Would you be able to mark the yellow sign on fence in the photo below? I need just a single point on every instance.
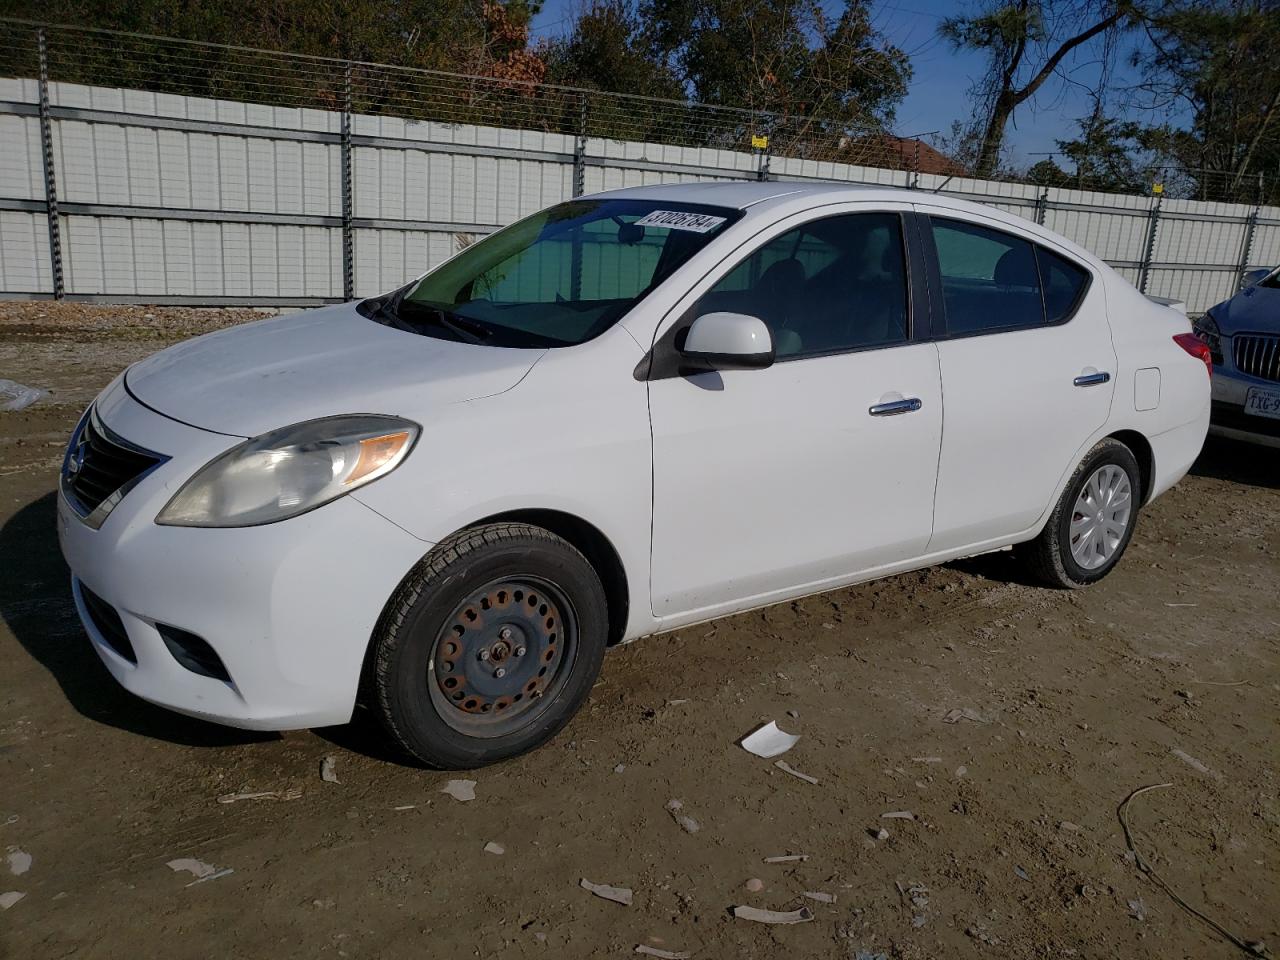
(758, 142)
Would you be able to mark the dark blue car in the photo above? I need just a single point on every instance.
(1243, 334)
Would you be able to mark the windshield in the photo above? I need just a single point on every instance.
(557, 278)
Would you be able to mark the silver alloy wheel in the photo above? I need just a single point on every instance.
(1101, 516)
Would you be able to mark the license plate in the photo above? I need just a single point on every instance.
(1262, 402)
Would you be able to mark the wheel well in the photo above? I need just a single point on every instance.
(1143, 453)
(594, 545)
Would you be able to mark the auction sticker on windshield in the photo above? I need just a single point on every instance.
(1263, 402)
(680, 220)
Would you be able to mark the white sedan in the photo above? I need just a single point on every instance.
(625, 414)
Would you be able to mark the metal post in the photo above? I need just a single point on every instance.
(348, 238)
(762, 166)
(1042, 206)
(580, 149)
(1250, 226)
(50, 183)
(1152, 225)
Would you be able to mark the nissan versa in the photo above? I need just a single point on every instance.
(627, 413)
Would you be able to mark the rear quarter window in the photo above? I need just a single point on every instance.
(1064, 284)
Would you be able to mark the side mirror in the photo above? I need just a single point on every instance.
(1253, 276)
(729, 341)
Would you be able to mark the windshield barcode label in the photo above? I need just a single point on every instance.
(680, 220)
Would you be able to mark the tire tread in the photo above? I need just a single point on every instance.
(1042, 556)
(433, 569)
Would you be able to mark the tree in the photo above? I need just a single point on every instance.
(1217, 60)
(784, 57)
(1026, 43)
(1109, 155)
(608, 49)
(477, 36)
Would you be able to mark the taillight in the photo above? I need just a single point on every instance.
(1196, 347)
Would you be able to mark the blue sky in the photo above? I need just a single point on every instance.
(939, 88)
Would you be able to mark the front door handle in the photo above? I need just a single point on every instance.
(1092, 379)
(894, 407)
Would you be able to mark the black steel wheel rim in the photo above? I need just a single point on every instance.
(502, 655)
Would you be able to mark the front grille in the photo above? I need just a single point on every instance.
(108, 623)
(1258, 355)
(100, 464)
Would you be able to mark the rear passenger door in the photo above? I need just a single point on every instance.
(1027, 375)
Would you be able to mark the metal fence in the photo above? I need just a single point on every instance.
(142, 169)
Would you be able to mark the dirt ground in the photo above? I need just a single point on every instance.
(1166, 673)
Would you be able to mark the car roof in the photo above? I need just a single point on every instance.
(786, 197)
(737, 194)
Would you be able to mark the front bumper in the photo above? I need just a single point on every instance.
(288, 607)
(1228, 418)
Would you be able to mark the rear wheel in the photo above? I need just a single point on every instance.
(1093, 521)
(489, 647)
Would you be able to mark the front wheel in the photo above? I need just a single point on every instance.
(1093, 521)
(489, 647)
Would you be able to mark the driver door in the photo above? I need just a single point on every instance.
(781, 480)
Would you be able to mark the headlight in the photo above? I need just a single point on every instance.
(290, 471)
(1206, 328)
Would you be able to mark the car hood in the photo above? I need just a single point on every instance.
(249, 379)
(1252, 310)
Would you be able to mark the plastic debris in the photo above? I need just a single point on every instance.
(19, 861)
(199, 869)
(461, 790)
(496, 849)
(789, 858)
(687, 824)
(15, 396)
(617, 894)
(7, 900)
(663, 954)
(803, 915)
(619, 768)
(327, 772)
(1021, 874)
(768, 741)
(880, 833)
(964, 713)
(787, 768)
(261, 795)
(755, 884)
(819, 896)
(1193, 763)
(898, 815)
(1138, 909)
(407, 806)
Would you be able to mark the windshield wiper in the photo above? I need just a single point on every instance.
(409, 315)
(467, 329)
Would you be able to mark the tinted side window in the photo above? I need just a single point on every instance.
(1063, 281)
(830, 285)
(989, 278)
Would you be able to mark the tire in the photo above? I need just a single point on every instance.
(488, 647)
(1060, 556)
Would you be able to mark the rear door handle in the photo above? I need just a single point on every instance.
(894, 407)
(1091, 379)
